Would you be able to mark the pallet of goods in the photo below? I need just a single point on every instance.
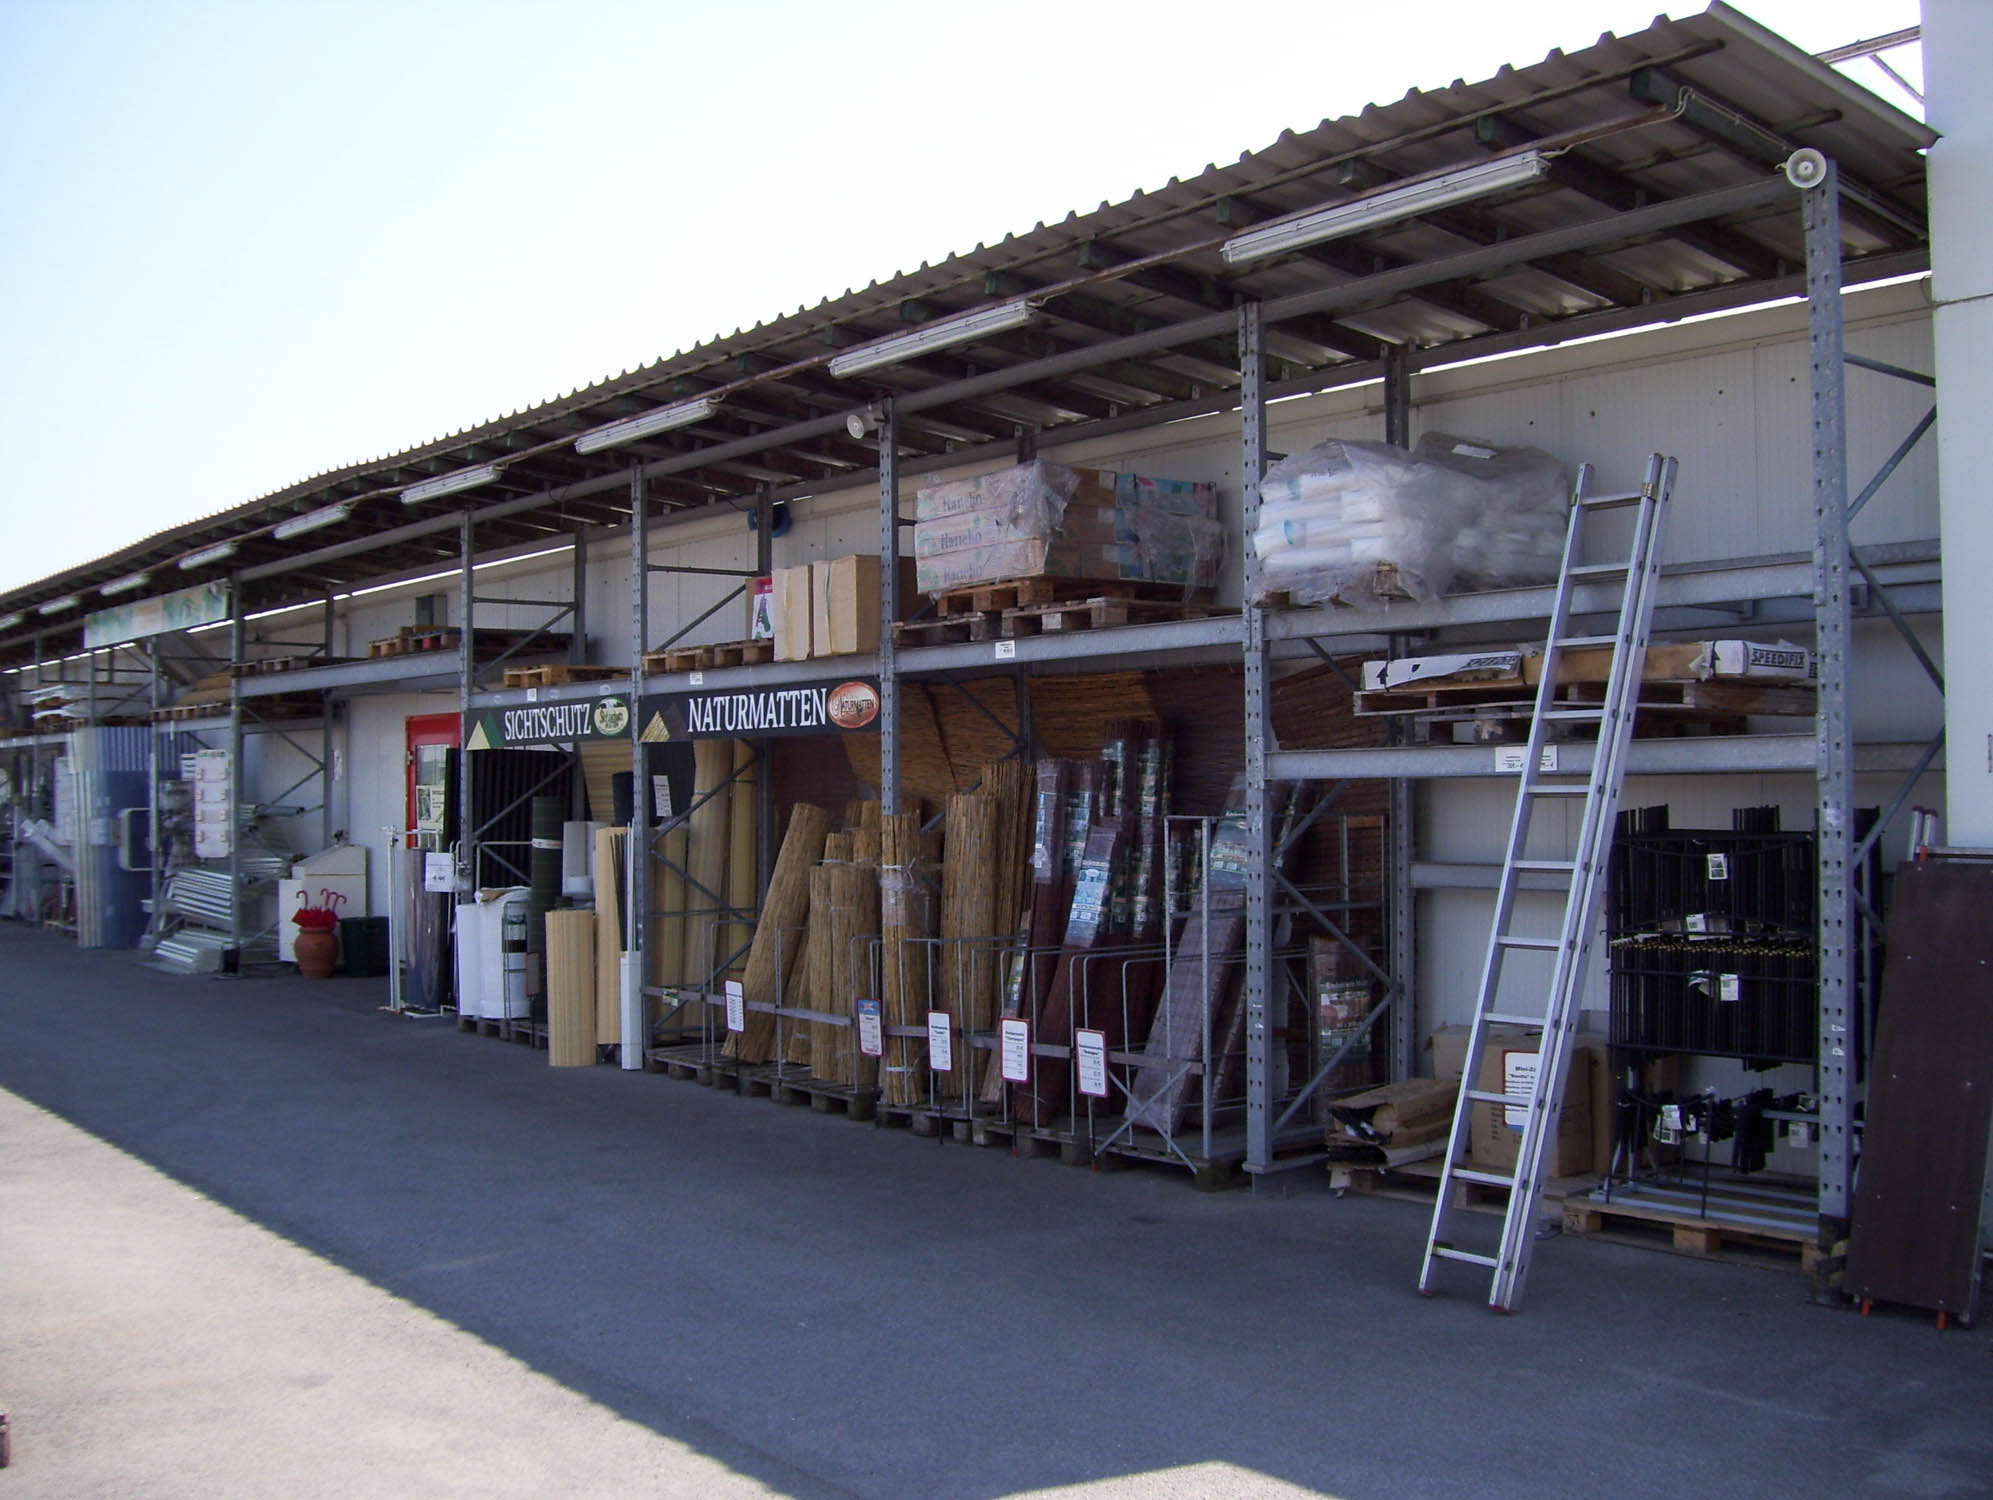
(705, 658)
(562, 674)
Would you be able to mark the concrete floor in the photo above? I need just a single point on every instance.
(257, 1238)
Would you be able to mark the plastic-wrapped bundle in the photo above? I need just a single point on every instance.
(1044, 520)
(1365, 523)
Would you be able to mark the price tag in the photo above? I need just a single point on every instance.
(940, 1043)
(439, 872)
(698, 679)
(1014, 1033)
(532, 695)
(1510, 759)
(1729, 988)
(1719, 867)
(871, 1028)
(736, 1007)
(1090, 1052)
(1006, 650)
(1518, 1082)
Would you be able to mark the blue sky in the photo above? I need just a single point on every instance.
(247, 243)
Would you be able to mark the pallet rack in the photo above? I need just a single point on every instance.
(933, 424)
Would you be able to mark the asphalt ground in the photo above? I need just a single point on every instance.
(258, 1238)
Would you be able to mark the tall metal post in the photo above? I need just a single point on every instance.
(1260, 1026)
(1834, 769)
(324, 742)
(889, 609)
(156, 858)
(1401, 841)
(578, 642)
(764, 782)
(237, 782)
(638, 918)
(466, 686)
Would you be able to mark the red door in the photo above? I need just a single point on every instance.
(430, 739)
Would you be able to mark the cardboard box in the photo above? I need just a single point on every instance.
(1398, 1114)
(792, 613)
(844, 605)
(1584, 1125)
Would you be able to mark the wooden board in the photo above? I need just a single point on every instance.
(610, 848)
(1915, 1234)
(571, 989)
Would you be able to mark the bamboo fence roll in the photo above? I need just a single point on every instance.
(969, 972)
(907, 899)
(787, 906)
(744, 826)
(706, 861)
(571, 989)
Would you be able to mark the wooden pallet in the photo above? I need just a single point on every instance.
(1417, 1181)
(410, 640)
(825, 1098)
(693, 1062)
(264, 666)
(1028, 593)
(983, 626)
(1503, 700)
(491, 644)
(562, 674)
(704, 658)
(922, 1119)
(1021, 1140)
(1684, 1233)
(180, 713)
(1098, 613)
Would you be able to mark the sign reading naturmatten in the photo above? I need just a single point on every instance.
(760, 713)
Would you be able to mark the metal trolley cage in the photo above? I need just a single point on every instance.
(1694, 167)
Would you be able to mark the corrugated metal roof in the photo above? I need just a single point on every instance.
(1120, 278)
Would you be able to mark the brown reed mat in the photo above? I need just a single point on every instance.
(667, 904)
(925, 771)
(854, 923)
(786, 906)
(611, 845)
(908, 903)
(1043, 1099)
(571, 989)
(969, 977)
(601, 762)
(820, 1052)
(706, 861)
(1070, 715)
(744, 825)
(799, 991)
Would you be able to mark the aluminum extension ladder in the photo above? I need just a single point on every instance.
(1512, 972)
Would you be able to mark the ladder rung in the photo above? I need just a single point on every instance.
(1510, 1018)
(1547, 945)
(1559, 791)
(1612, 502)
(1597, 570)
(1447, 1252)
(1575, 713)
(1496, 1096)
(1485, 1179)
(1586, 640)
(1550, 866)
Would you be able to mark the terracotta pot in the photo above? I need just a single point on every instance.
(317, 950)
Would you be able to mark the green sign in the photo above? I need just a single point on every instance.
(203, 604)
(604, 718)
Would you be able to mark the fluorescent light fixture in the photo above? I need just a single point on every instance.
(1405, 201)
(57, 606)
(207, 555)
(646, 424)
(127, 583)
(449, 484)
(959, 329)
(10, 621)
(311, 520)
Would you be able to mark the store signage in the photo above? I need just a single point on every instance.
(761, 713)
(203, 604)
(605, 718)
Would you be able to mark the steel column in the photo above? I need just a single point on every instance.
(1834, 771)
(578, 642)
(638, 917)
(466, 687)
(1258, 728)
(889, 609)
(764, 782)
(238, 783)
(325, 778)
(1399, 900)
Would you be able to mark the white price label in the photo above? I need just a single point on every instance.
(1510, 759)
(532, 695)
(1006, 650)
(940, 1043)
(1719, 867)
(736, 1007)
(1518, 1082)
(439, 872)
(871, 1028)
(698, 679)
(1015, 1035)
(1090, 1052)
(1730, 988)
